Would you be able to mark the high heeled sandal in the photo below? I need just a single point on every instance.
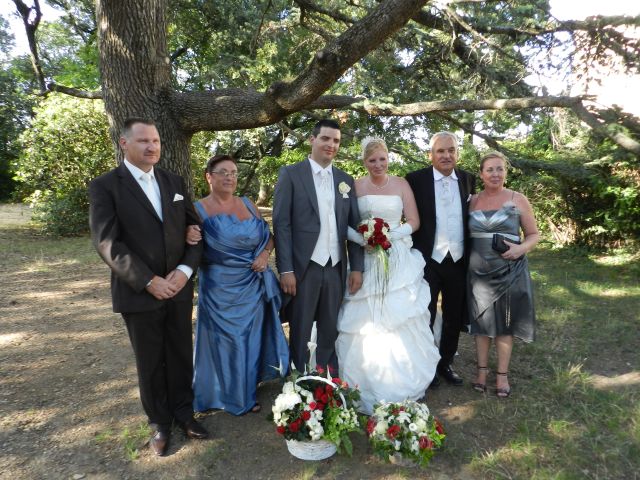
(503, 392)
(480, 387)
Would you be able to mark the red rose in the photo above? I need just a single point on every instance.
(313, 405)
(439, 428)
(319, 369)
(395, 411)
(371, 425)
(425, 442)
(386, 245)
(321, 406)
(328, 389)
(377, 227)
(392, 431)
(295, 425)
(281, 429)
(318, 392)
(324, 398)
(306, 415)
(363, 228)
(336, 380)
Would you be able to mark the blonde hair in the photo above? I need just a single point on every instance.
(494, 154)
(371, 144)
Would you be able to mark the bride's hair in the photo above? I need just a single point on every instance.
(370, 144)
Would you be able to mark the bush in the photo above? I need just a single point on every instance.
(67, 145)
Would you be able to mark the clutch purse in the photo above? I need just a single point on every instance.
(497, 243)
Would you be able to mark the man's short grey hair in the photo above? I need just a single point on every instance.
(440, 135)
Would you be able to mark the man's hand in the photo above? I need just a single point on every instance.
(193, 235)
(178, 279)
(161, 288)
(355, 282)
(288, 283)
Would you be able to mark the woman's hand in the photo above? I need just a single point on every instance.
(515, 251)
(193, 234)
(261, 262)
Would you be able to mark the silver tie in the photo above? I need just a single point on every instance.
(152, 195)
(325, 180)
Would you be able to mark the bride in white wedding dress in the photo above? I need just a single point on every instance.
(385, 345)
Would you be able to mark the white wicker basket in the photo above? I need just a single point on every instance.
(316, 449)
(311, 450)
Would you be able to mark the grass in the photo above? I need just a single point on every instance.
(132, 440)
(567, 425)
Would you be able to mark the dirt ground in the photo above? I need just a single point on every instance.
(69, 405)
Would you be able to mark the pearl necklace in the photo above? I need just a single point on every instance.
(382, 186)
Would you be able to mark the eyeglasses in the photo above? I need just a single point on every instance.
(226, 174)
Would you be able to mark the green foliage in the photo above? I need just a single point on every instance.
(15, 109)
(67, 146)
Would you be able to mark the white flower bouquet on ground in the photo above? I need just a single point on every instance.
(404, 431)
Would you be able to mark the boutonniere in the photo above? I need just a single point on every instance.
(177, 197)
(344, 189)
(469, 198)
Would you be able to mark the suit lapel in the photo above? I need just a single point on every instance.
(306, 176)
(135, 189)
(337, 197)
(430, 197)
(165, 192)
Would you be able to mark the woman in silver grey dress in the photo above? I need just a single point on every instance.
(500, 292)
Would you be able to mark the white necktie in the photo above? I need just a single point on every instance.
(446, 192)
(152, 194)
(325, 180)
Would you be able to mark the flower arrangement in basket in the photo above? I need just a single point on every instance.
(404, 431)
(315, 413)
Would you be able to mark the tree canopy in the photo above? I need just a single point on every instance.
(399, 67)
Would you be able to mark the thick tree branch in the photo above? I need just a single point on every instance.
(619, 138)
(74, 92)
(224, 110)
(421, 108)
(31, 19)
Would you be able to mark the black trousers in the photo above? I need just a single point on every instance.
(162, 344)
(449, 279)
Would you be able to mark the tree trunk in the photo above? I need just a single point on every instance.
(136, 75)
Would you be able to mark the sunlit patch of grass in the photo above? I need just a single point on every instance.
(132, 440)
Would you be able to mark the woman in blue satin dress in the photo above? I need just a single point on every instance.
(239, 338)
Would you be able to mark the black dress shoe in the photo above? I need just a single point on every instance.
(159, 443)
(193, 429)
(450, 376)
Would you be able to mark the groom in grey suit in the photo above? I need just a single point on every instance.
(314, 203)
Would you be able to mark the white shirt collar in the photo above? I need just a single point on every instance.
(317, 168)
(135, 171)
(439, 176)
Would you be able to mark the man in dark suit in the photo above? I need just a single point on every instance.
(314, 203)
(442, 195)
(139, 214)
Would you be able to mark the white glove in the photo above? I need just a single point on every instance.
(355, 237)
(400, 231)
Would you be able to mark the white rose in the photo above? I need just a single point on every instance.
(381, 427)
(286, 401)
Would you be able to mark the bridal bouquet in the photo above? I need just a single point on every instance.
(404, 430)
(375, 232)
(314, 407)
